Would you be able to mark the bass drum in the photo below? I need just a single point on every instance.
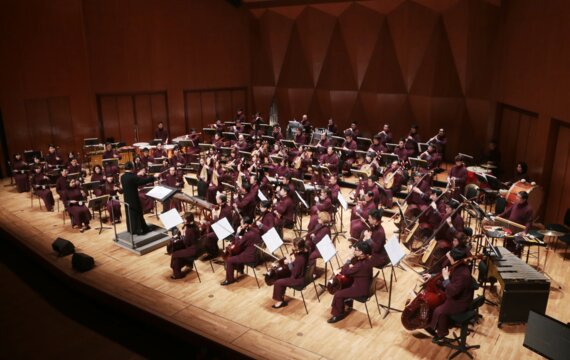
(535, 194)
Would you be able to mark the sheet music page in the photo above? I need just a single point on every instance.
(326, 248)
(342, 201)
(261, 196)
(170, 219)
(394, 250)
(272, 240)
(222, 228)
(158, 192)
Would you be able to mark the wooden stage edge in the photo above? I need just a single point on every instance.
(239, 317)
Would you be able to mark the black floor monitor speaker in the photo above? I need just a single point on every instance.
(82, 262)
(63, 247)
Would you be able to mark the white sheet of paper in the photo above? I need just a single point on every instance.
(302, 200)
(272, 240)
(433, 205)
(394, 250)
(170, 219)
(158, 192)
(342, 201)
(222, 228)
(261, 196)
(326, 248)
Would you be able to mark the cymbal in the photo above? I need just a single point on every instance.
(551, 233)
(488, 166)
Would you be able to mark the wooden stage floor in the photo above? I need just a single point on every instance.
(240, 316)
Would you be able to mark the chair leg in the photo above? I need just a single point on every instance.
(385, 282)
(377, 304)
(197, 273)
(254, 274)
(316, 292)
(212, 266)
(368, 314)
(304, 303)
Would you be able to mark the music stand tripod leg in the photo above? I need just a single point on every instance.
(389, 307)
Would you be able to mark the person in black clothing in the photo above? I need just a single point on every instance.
(130, 183)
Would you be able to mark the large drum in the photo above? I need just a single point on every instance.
(472, 178)
(169, 148)
(127, 154)
(535, 194)
(140, 146)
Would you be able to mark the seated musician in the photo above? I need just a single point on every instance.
(360, 270)
(376, 238)
(40, 187)
(385, 137)
(334, 187)
(450, 224)
(70, 158)
(349, 146)
(239, 127)
(367, 185)
(331, 126)
(284, 208)
(74, 203)
(354, 129)
(218, 126)
(178, 160)
(267, 219)
(62, 183)
(277, 134)
(145, 157)
(299, 138)
(161, 133)
(247, 236)
(360, 214)
(286, 183)
(432, 157)
(315, 236)
(97, 175)
(112, 167)
(53, 159)
(330, 160)
(74, 167)
(401, 151)
(521, 212)
(147, 203)
(137, 163)
(323, 203)
(224, 210)
(324, 142)
(440, 141)
(412, 141)
(460, 240)
(185, 254)
(520, 173)
(173, 180)
(394, 175)
(20, 173)
(458, 286)
(457, 178)
(419, 197)
(297, 278)
(158, 153)
(377, 146)
(317, 178)
(239, 116)
(218, 141)
(193, 151)
(245, 200)
(113, 205)
(242, 144)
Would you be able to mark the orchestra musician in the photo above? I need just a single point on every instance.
(147, 203)
(277, 134)
(439, 140)
(130, 183)
(161, 133)
(299, 138)
(239, 116)
(349, 146)
(521, 212)
(458, 287)
(412, 141)
(385, 137)
(158, 154)
(458, 178)
(360, 214)
(74, 167)
(297, 268)
(315, 236)
(420, 192)
(173, 180)
(113, 204)
(432, 156)
(245, 200)
(284, 208)
(376, 237)
(306, 123)
(73, 201)
(40, 187)
(145, 157)
(247, 236)
(323, 203)
(177, 158)
(97, 175)
(330, 160)
(185, 255)
(334, 187)
(492, 156)
(394, 174)
(20, 171)
(53, 159)
(331, 126)
(353, 129)
(62, 183)
(223, 210)
(360, 270)
(266, 219)
(111, 168)
(401, 150)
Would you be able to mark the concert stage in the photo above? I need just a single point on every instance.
(240, 316)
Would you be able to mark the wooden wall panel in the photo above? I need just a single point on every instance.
(193, 105)
(37, 113)
(61, 124)
(209, 113)
(223, 105)
(143, 110)
(239, 100)
(204, 107)
(109, 117)
(127, 122)
(559, 191)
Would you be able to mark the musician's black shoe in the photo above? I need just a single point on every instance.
(225, 283)
(431, 331)
(440, 340)
(175, 277)
(283, 304)
(335, 319)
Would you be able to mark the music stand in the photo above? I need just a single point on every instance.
(391, 146)
(267, 129)
(155, 142)
(361, 174)
(209, 131)
(491, 180)
(205, 147)
(288, 143)
(29, 155)
(245, 155)
(229, 123)
(547, 336)
(363, 143)
(423, 147)
(418, 163)
(338, 140)
(389, 158)
(192, 182)
(229, 136)
(396, 254)
(467, 158)
(90, 142)
(154, 168)
(361, 153)
(269, 139)
(276, 159)
(97, 204)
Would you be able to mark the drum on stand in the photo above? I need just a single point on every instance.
(169, 148)
(535, 194)
(472, 178)
(140, 146)
(127, 154)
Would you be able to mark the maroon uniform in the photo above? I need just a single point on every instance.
(361, 273)
(187, 254)
(247, 255)
(296, 279)
(40, 184)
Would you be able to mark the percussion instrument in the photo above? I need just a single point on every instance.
(96, 158)
(169, 148)
(140, 146)
(472, 178)
(127, 154)
(535, 194)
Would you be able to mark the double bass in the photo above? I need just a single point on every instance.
(418, 312)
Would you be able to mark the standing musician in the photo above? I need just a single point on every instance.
(458, 287)
(360, 214)
(267, 219)
(284, 208)
(315, 236)
(247, 236)
(161, 133)
(130, 183)
(40, 187)
(74, 204)
(330, 160)
(360, 270)
(239, 116)
(306, 123)
(412, 141)
(376, 237)
(186, 255)
(297, 267)
(457, 178)
(20, 171)
(113, 205)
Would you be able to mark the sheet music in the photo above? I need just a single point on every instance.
(261, 196)
(326, 248)
(301, 199)
(170, 219)
(342, 201)
(272, 240)
(222, 228)
(394, 250)
(158, 192)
